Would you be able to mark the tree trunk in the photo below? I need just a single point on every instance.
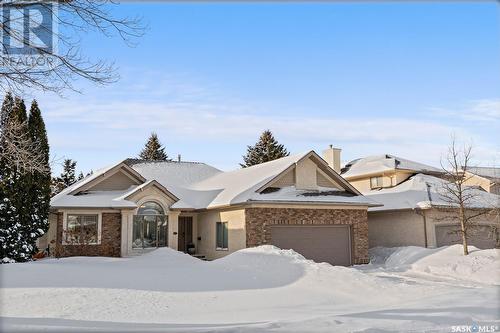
(463, 231)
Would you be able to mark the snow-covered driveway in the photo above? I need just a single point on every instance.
(260, 289)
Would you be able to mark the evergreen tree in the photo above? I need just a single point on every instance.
(67, 177)
(10, 235)
(15, 216)
(153, 150)
(265, 150)
(40, 182)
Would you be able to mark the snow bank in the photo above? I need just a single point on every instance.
(257, 289)
(479, 266)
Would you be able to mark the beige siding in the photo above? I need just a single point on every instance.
(362, 185)
(288, 179)
(118, 181)
(389, 179)
(475, 180)
(401, 177)
(390, 229)
(305, 175)
(324, 181)
(206, 231)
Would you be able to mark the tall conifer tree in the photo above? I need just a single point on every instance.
(265, 150)
(10, 233)
(153, 150)
(24, 190)
(40, 181)
(17, 238)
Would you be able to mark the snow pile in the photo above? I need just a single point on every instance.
(449, 262)
(252, 290)
(7, 260)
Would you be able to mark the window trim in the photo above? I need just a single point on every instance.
(377, 186)
(65, 226)
(217, 248)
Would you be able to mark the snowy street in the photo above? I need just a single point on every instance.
(254, 290)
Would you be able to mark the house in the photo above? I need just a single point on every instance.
(415, 210)
(294, 202)
(488, 178)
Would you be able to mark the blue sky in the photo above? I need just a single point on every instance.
(368, 78)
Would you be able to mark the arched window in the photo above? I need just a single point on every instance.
(150, 226)
(150, 208)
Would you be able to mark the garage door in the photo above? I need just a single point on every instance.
(325, 243)
(481, 237)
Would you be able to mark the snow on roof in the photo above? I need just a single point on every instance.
(64, 199)
(85, 180)
(177, 177)
(424, 191)
(95, 199)
(170, 173)
(323, 195)
(487, 172)
(381, 163)
(239, 185)
(198, 185)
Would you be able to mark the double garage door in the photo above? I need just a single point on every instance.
(321, 243)
(482, 237)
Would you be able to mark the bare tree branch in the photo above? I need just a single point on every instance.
(48, 69)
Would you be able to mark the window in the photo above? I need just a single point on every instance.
(82, 229)
(150, 226)
(376, 182)
(221, 236)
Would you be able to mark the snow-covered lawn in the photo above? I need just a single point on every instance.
(254, 290)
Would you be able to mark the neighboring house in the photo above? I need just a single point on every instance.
(383, 171)
(294, 202)
(414, 211)
(487, 178)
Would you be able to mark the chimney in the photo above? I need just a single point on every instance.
(178, 157)
(332, 157)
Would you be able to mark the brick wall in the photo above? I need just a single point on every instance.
(258, 221)
(110, 239)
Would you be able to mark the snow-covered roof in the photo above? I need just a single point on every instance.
(94, 199)
(241, 186)
(382, 163)
(198, 185)
(486, 172)
(323, 195)
(425, 191)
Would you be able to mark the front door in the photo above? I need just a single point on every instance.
(185, 234)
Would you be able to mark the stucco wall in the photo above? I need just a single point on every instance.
(206, 228)
(406, 228)
(305, 175)
(442, 217)
(258, 221)
(390, 229)
(389, 179)
(49, 238)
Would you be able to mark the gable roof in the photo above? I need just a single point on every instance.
(76, 195)
(200, 186)
(491, 173)
(425, 191)
(382, 163)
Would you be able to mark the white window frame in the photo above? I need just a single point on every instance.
(377, 185)
(217, 248)
(65, 226)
